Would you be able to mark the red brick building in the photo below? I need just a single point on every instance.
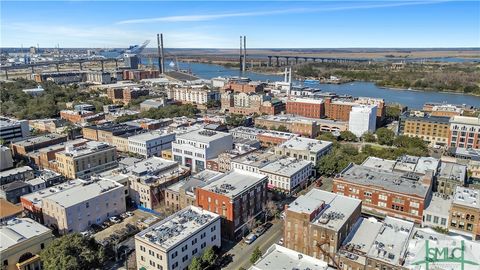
(238, 196)
(464, 132)
(392, 193)
(140, 74)
(244, 87)
(312, 108)
(339, 109)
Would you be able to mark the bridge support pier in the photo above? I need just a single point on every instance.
(269, 61)
(287, 60)
(296, 60)
(6, 74)
(81, 67)
(306, 59)
(58, 67)
(102, 64)
(116, 63)
(278, 63)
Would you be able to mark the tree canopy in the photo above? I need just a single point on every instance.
(73, 251)
(257, 254)
(385, 136)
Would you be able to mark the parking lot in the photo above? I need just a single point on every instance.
(138, 215)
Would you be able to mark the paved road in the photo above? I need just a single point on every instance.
(242, 251)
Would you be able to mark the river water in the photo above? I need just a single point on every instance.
(412, 99)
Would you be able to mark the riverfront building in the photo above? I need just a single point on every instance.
(432, 129)
(308, 107)
(363, 118)
(464, 132)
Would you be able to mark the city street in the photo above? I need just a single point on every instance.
(242, 252)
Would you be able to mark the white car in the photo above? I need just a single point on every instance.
(129, 214)
(115, 220)
(280, 242)
(250, 238)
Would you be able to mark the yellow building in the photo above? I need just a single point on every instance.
(22, 240)
(432, 129)
(167, 154)
(85, 160)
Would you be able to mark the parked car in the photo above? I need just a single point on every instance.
(115, 219)
(267, 225)
(96, 228)
(280, 242)
(260, 230)
(250, 238)
(129, 214)
(86, 233)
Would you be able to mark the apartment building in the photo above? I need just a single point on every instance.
(244, 87)
(440, 109)
(383, 192)
(238, 197)
(339, 108)
(81, 117)
(287, 174)
(362, 119)
(247, 104)
(194, 148)
(195, 95)
(152, 104)
(23, 173)
(51, 125)
(22, 241)
(32, 203)
(465, 212)
(13, 130)
(173, 242)
(254, 161)
(376, 245)
(21, 148)
(121, 141)
(307, 107)
(77, 208)
(432, 129)
(87, 159)
(304, 148)
(150, 177)
(125, 94)
(105, 132)
(150, 143)
(266, 138)
(150, 124)
(464, 132)
(318, 222)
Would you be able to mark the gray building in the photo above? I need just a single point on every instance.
(13, 130)
(14, 190)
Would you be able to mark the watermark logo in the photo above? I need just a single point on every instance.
(447, 256)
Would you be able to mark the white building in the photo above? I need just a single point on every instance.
(304, 148)
(150, 143)
(13, 130)
(6, 160)
(34, 91)
(77, 208)
(436, 213)
(196, 95)
(286, 174)
(278, 257)
(363, 118)
(173, 242)
(194, 148)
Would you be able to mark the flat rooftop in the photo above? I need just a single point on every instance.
(85, 149)
(148, 136)
(15, 171)
(37, 197)
(334, 209)
(286, 166)
(9, 209)
(453, 171)
(258, 159)
(439, 204)
(379, 163)
(7, 122)
(301, 143)
(151, 166)
(307, 100)
(18, 230)
(234, 183)
(406, 183)
(467, 120)
(467, 197)
(360, 239)
(39, 139)
(86, 191)
(178, 227)
(391, 241)
(278, 258)
(203, 135)
(206, 175)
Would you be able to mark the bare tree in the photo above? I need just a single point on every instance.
(270, 209)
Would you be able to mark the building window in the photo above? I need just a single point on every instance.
(443, 221)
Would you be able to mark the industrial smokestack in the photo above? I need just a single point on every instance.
(241, 53)
(162, 54)
(159, 55)
(244, 53)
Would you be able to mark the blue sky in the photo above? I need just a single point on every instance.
(267, 24)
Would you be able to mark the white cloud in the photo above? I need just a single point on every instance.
(210, 17)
